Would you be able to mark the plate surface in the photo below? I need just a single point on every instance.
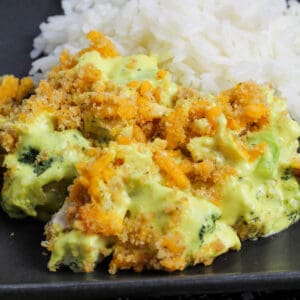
(269, 263)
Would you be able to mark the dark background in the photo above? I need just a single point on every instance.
(263, 269)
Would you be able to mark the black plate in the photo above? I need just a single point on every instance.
(269, 263)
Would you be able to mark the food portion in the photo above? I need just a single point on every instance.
(40, 167)
(165, 176)
(38, 159)
(130, 211)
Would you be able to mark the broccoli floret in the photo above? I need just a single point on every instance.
(39, 170)
(42, 166)
(207, 227)
(287, 174)
(29, 156)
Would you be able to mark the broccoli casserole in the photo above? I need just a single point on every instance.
(129, 164)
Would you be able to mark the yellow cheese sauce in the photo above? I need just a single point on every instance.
(43, 160)
(153, 174)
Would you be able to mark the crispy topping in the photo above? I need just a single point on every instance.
(101, 44)
(244, 107)
(173, 171)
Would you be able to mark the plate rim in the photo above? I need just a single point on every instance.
(160, 285)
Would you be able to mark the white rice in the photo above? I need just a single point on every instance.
(208, 44)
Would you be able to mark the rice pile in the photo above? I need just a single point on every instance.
(208, 44)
